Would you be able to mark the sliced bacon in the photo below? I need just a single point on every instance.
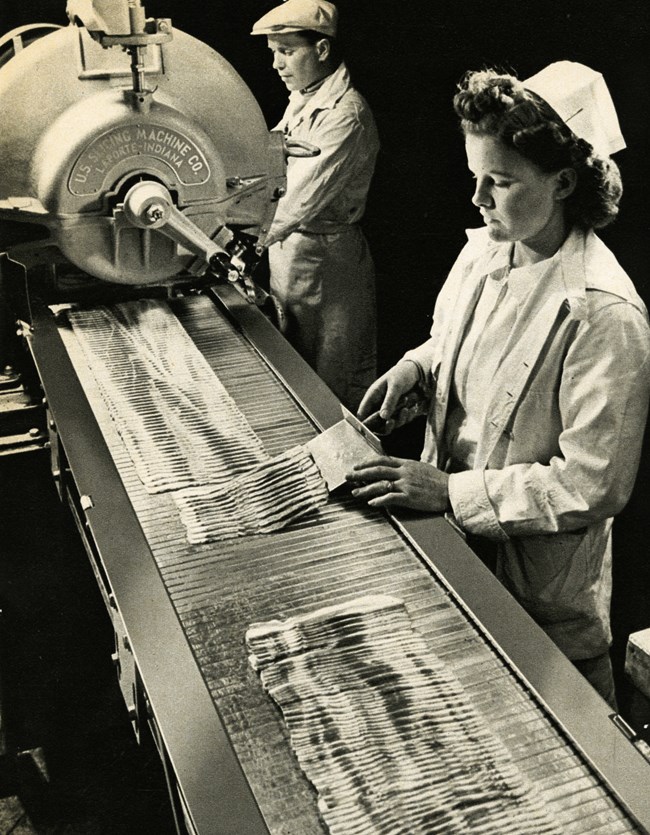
(385, 731)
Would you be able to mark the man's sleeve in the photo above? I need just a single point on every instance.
(314, 182)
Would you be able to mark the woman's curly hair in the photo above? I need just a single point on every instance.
(499, 105)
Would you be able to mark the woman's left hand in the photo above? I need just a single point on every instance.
(399, 482)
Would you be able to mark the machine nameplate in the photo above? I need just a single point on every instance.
(137, 140)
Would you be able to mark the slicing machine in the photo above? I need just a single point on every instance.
(136, 171)
(135, 164)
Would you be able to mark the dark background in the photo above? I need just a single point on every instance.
(406, 57)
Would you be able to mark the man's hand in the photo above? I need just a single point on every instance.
(398, 482)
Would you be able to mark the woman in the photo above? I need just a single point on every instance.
(537, 366)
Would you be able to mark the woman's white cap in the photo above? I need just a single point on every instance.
(581, 99)
(298, 15)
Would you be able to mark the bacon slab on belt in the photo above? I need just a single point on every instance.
(384, 730)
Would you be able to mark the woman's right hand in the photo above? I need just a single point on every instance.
(391, 397)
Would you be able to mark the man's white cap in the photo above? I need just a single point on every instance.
(581, 99)
(298, 15)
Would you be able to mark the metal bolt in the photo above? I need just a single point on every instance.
(155, 213)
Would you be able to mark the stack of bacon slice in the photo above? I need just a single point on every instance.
(277, 492)
(383, 729)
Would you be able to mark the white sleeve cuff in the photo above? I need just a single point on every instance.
(422, 357)
(472, 506)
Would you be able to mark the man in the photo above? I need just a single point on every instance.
(321, 268)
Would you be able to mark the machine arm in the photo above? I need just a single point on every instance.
(149, 205)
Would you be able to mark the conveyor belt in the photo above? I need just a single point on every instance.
(341, 553)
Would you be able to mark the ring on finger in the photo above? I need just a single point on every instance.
(388, 486)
